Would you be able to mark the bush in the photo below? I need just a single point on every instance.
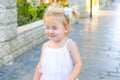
(29, 12)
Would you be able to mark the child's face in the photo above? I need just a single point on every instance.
(55, 30)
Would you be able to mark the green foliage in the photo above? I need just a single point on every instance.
(30, 12)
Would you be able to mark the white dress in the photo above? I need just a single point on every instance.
(56, 63)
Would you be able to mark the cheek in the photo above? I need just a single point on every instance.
(46, 32)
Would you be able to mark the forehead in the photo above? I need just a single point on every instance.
(50, 20)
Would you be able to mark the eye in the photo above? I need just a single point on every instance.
(54, 27)
(47, 27)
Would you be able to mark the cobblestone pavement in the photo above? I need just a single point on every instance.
(99, 43)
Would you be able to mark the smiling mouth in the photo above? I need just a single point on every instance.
(52, 35)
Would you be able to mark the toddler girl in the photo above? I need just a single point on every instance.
(60, 58)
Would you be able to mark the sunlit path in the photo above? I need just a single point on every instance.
(100, 45)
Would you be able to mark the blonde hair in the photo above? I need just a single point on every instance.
(56, 12)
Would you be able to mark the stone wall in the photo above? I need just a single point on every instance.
(8, 27)
(104, 3)
(27, 37)
(80, 6)
(8, 20)
(15, 41)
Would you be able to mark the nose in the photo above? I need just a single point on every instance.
(51, 31)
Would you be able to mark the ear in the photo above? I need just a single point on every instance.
(67, 28)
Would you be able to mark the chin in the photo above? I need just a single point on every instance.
(56, 40)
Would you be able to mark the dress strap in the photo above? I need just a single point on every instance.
(67, 42)
(48, 43)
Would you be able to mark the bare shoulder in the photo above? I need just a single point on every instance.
(44, 45)
(72, 46)
(73, 43)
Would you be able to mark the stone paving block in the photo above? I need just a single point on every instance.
(114, 74)
(89, 76)
(110, 78)
(28, 76)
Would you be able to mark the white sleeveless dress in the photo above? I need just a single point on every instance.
(56, 63)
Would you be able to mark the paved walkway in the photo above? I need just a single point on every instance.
(99, 43)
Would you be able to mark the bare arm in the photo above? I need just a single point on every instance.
(38, 74)
(77, 63)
